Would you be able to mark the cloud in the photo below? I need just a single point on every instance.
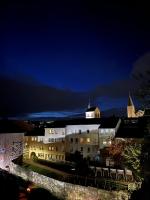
(26, 95)
(19, 98)
(142, 65)
(117, 89)
(120, 88)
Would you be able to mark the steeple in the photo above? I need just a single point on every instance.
(130, 102)
(130, 108)
(89, 104)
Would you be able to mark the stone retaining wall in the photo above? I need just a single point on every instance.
(67, 191)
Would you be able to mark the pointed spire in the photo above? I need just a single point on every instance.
(89, 104)
(130, 102)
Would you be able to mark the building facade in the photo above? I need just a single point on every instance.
(87, 136)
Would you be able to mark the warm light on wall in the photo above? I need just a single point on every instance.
(81, 140)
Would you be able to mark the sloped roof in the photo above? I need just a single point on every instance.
(110, 122)
(14, 126)
(37, 131)
(131, 128)
(91, 109)
(130, 102)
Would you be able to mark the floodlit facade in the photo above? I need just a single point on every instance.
(54, 151)
(87, 136)
(11, 147)
(131, 112)
(92, 112)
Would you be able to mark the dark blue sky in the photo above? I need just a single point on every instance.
(74, 47)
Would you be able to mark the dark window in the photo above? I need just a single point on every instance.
(81, 148)
(88, 150)
(79, 131)
(56, 148)
(71, 140)
(76, 140)
(88, 131)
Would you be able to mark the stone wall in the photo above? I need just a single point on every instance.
(67, 191)
(11, 147)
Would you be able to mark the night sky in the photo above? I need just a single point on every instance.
(55, 55)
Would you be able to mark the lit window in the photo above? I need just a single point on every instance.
(52, 148)
(81, 140)
(32, 138)
(104, 142)
(49, 148)
(109, 142)
(35, 139)
(51, 131)
(102, 130)
(88, 139)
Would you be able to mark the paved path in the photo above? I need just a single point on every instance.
(47, 168)
(64, 174)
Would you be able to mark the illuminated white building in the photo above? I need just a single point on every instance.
(90, 135)
(92, 112)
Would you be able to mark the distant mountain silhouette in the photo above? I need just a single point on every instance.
(118, 112)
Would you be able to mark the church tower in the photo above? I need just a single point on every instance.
(130, 108)
(92, 112)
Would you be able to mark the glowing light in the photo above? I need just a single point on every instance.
(28, 190)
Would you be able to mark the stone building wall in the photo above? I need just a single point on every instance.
(11, 147)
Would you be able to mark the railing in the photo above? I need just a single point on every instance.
(115, 174)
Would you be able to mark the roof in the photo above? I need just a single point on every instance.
(91, 109)
(110, 122)
(38, 131)
(131, 128)
(14, 126)
(130, 102)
